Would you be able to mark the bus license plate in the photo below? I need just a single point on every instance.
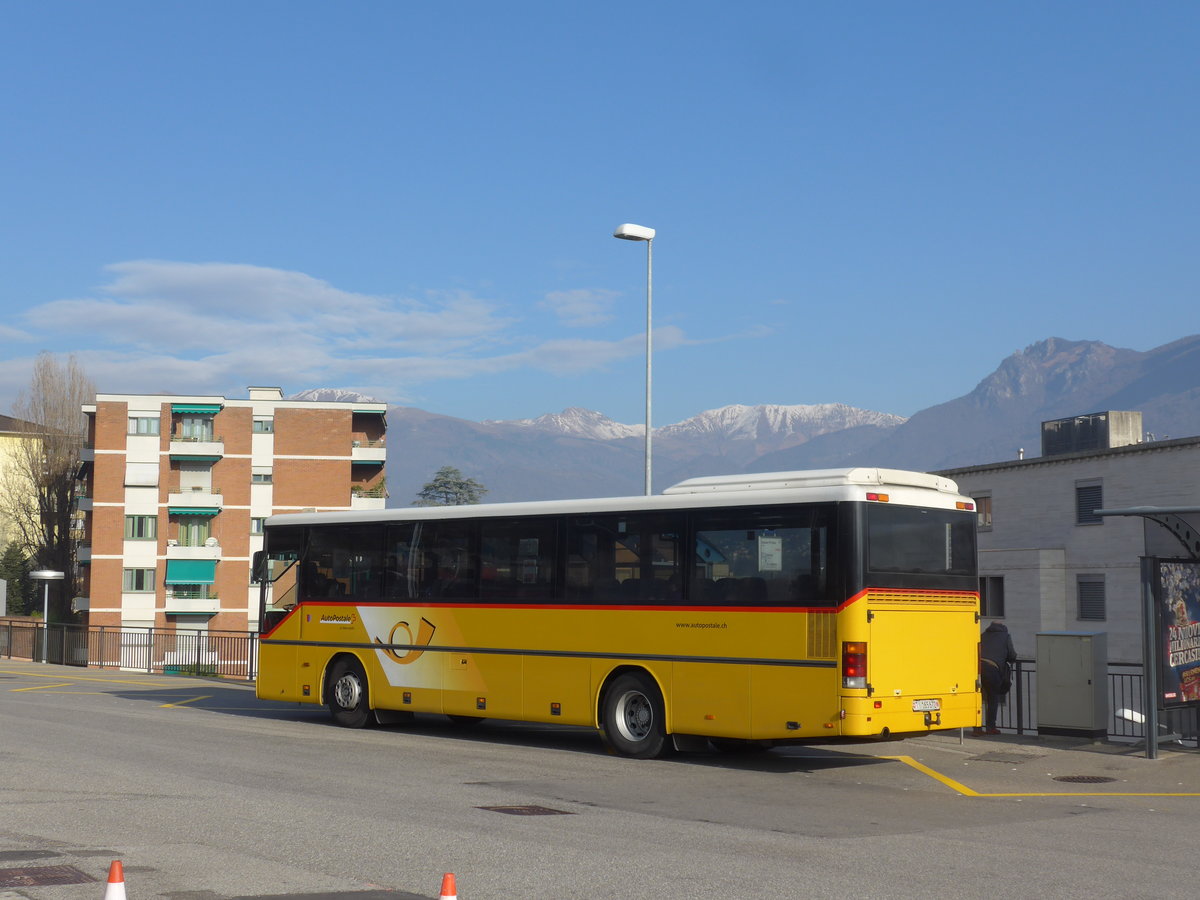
(927, 705)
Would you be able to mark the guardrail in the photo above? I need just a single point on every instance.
(155, 651)
(1019, 713)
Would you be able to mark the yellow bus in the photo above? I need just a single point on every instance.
(744, 611)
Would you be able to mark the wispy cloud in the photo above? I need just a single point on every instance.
(215, 327)
(581, 308)
(8, 333)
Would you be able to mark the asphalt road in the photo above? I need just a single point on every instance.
(206, 793)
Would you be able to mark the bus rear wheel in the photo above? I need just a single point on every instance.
(349, 703)
(633, 721)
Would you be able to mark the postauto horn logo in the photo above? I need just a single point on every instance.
(424, 635)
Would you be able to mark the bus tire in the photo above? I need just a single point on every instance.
(349, 701)
(633, 718)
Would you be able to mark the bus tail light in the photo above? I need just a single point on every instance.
(960, 504)
(854, 664)
(880, 498)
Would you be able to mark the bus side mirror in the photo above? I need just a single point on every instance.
(256, 567)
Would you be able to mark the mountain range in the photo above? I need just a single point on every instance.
(579, 452)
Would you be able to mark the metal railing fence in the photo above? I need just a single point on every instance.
(155, 651)
(1019, 713)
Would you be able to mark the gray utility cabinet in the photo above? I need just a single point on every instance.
(1072, 683)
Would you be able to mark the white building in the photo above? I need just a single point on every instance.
(1046, 561)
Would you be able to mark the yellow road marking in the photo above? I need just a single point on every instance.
(937, 776)
(967, 792)
(182, 702)
(41, 687)
(95, 678)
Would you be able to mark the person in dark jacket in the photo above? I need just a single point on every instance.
(996, 656)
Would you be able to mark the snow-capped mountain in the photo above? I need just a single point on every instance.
(767, 423)
(581, 453)
(333, 395)
(578, 422)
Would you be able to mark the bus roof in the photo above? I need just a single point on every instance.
(783, 481)
(765, 489)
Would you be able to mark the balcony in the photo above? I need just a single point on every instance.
(197, 446)
(83, 553)
(367, 501)
(186, 605)
(364, 451)
(210, 549)
(83, 503)
(88, 453)
(204, 499)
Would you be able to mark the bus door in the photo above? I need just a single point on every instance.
(277, 660)
(921, 646)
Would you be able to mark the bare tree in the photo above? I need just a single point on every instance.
(37, 488)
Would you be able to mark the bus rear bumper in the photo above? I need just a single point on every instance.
(894, 716)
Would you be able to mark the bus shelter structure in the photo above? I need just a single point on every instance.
(1175, 530)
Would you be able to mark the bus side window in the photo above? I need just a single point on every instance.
(761, 557)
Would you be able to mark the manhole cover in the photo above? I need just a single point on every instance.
(527, 810)
(1084, 779)
(37, 876)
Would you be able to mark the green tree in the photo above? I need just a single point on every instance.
(450, 487)
(15, 569)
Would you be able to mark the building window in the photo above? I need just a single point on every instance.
(260, 478)
(264, 426)
(1089, 497)
(194, 530)
(195, 428)
(143, 425)
(257, 524)
(141, 474)
(991, 596)
(138, 581)
(1090, 590)
(141, 528)
(983, 511)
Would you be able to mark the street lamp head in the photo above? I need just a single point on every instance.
(46, 575)
(629, 232)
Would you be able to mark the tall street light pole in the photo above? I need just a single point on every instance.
(629, 232)
(46, 576)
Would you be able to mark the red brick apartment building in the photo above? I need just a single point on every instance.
(176, 490)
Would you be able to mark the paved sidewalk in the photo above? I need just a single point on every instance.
(1031, 765)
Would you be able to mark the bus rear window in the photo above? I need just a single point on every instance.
(905, 539)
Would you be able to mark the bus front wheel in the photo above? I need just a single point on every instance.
(348, 700)
(633, 722)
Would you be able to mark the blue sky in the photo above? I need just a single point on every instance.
(869, 203)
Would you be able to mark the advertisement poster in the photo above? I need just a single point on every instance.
(1179, 634)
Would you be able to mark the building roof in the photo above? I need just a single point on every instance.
(17, 426)
(1126, 450)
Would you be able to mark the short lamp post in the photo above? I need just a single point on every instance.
(46, 576)
(630, 232)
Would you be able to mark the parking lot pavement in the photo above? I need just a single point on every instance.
(1031, 765)
(1005, 765)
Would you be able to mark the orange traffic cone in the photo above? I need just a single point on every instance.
(449, 891)
(116, 882)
